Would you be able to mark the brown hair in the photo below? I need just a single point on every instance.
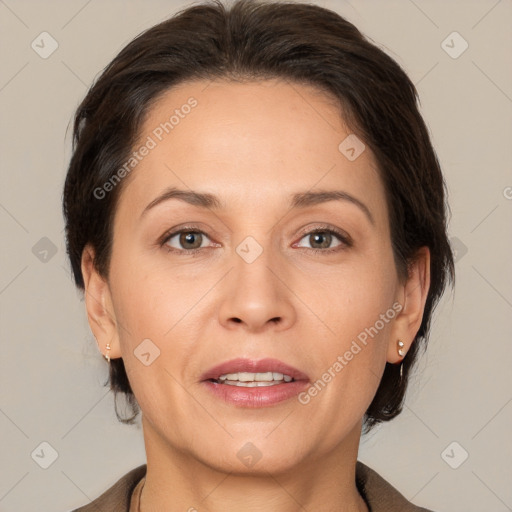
(257, 40)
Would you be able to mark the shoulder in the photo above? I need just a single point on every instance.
(380, 495)
(117, 498)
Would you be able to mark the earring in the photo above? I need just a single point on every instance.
(107, 356)
(401, 354)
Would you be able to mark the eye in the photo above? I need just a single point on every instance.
(185, 240)
(322, 238)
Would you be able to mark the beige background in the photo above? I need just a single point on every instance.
(51, 373)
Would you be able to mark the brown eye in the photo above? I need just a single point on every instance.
(186, 240)
(321, 240)
(190, 240)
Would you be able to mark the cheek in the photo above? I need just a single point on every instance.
(146, 296)
(154, 301)
(353, 298)
(351, 362)
(357, 307)
(149, 305)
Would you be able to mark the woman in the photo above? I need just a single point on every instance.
(257, 217)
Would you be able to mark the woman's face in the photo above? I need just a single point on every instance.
(248, 277)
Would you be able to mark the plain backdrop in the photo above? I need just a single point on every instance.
(451, 448)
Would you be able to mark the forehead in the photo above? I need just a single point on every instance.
(249, 142)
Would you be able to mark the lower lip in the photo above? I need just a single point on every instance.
(257, 396)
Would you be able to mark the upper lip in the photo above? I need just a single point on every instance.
(253, 366)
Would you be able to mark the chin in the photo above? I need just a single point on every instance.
(250, 456)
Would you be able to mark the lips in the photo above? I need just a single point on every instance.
(253, 366)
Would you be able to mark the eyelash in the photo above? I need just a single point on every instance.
(344, 238)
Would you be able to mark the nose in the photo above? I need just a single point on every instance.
(257, 295)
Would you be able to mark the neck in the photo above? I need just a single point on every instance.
(177, 480)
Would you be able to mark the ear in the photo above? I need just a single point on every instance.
(98, 303)
(412, 296)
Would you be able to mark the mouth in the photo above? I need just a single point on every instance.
(254, 384)
(251, 373)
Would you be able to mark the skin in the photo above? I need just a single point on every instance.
(206, 309)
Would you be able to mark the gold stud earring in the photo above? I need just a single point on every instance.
(401, 354)
(107, 356)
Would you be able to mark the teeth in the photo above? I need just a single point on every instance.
(252, 384)
(256, 378)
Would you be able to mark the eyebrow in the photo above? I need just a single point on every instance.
(299, 200)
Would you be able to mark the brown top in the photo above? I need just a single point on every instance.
(135, 500)
(380, 496)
